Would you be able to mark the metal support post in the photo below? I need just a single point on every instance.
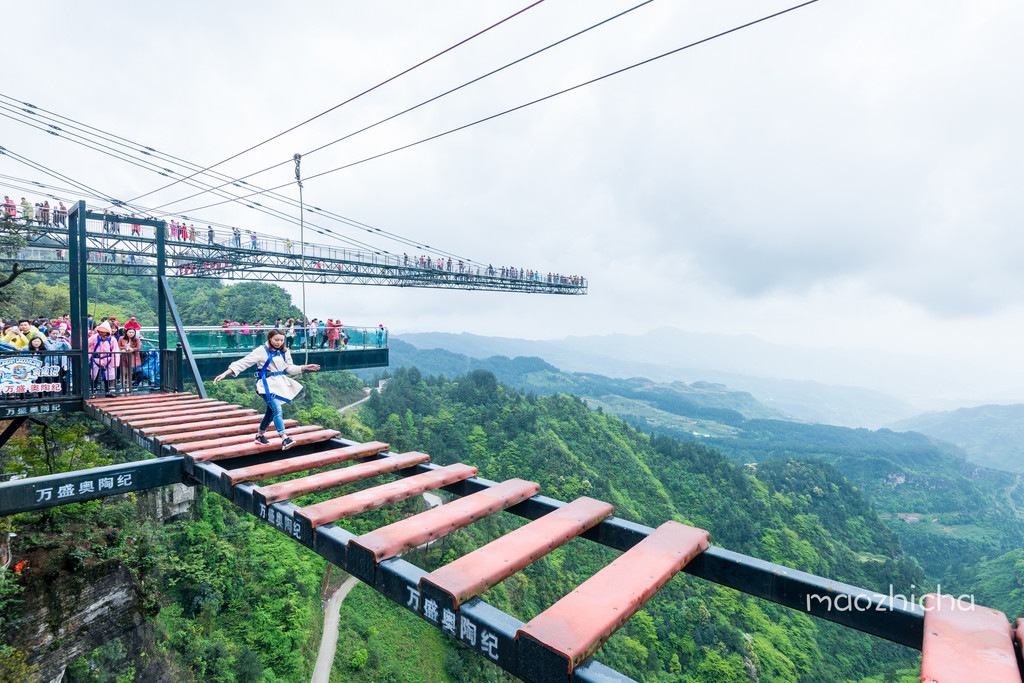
(78, 258)
(161, 297)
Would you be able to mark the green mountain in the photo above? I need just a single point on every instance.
(801, 513)
(701, 406)
(990, 435)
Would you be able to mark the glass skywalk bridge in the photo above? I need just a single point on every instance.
(214, 347)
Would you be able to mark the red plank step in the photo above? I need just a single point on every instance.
(300, 463)
(296, 488)
(312, 516)
(200, 433)
(562, 636)
(167, 410)
(966, 642)
(367, 551)
(147, 408)
(103, 403)
(243, 438)
(252, 448)
(189, 418)
(477, 572)
(208, 424)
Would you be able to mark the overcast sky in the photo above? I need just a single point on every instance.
(841, 176)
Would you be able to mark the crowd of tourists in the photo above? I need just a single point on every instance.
(116, 355)
(179, 232)
(119, 361)
(40, 213)
(299, 333)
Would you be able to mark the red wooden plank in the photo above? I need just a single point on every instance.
(575, 626)
(479, 571)
(303, 462)
(197, 426)
(225, 452)
(135, 402)
(241, 438)
(150, 409)
(394, 539)
(966, 642)
(191, 418)
(385, 494)
(199, 432)
(102, 403)
(288, 490)
(182, 412)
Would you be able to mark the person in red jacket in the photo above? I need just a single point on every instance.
(132, 324)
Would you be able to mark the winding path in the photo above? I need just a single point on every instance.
(329, 641)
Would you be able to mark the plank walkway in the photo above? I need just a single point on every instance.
(215, 440)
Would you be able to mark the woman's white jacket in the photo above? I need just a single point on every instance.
(282, 386)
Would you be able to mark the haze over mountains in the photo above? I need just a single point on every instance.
(848, 387)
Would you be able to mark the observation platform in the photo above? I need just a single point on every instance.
(213, 347)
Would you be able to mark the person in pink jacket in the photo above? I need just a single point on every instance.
(103, 358)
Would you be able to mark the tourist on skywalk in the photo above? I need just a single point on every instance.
(26, 211)
(252, 238)
(44, 213)
(10, 210)
(243, 329)
(275, 362)
(229, 334)
(289, 332)
(131, 358)
(103, 358)
(209, 234)
(237, 237)
(381, 336)
(62, 216)
(56, 341)
(132, 324)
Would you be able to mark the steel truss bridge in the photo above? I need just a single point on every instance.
(113, 248)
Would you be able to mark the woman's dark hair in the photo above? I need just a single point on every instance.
(273, 333)
(134, 332)
(41, 347)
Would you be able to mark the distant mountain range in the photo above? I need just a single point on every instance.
(991, 435)
(840, 387)
(923, 476)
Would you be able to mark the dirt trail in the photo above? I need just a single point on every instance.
(329, 641)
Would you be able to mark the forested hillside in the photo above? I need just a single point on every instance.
(236, 601)
(990, 435)
(699, 632)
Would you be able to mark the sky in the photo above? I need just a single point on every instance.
(841, 176)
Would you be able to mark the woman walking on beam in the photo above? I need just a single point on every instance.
(275, 363)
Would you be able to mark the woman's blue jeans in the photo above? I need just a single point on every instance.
(273, 413)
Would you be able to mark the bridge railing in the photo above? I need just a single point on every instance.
(239, 340)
